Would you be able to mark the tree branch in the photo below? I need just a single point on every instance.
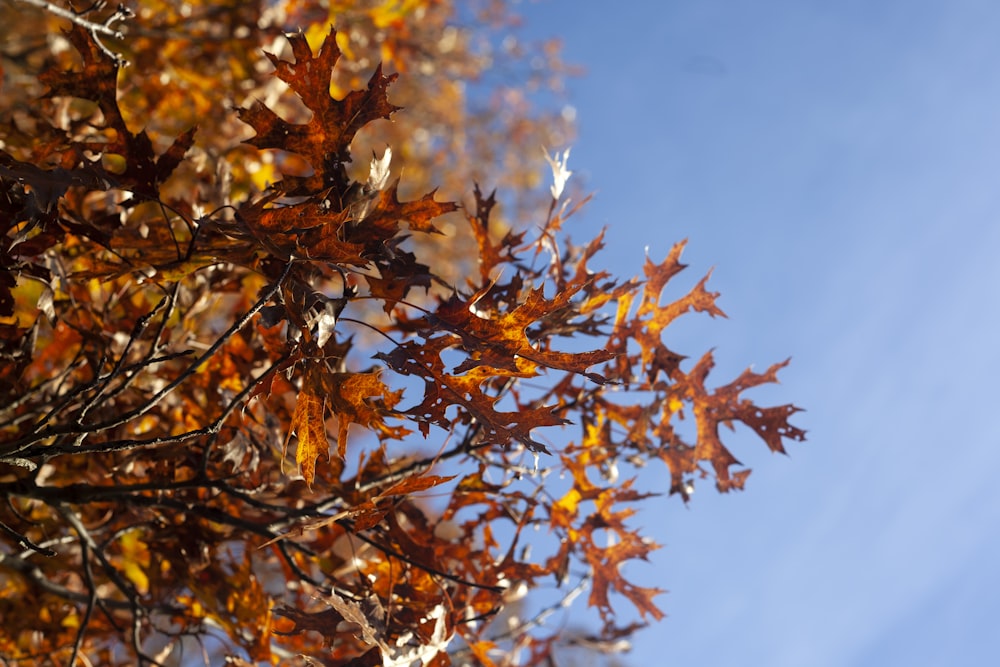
(93, 28)
(24, 541)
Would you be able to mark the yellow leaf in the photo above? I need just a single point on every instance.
(481, 650)
(316, 34)
(344, 43)
(308, 425)
(569, 502)
(393, 12)
(135, 555)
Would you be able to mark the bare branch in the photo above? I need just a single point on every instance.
(93, 28)
(24, 541)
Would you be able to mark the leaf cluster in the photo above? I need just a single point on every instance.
(265, 421)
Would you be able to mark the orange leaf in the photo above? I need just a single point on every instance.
(414, 484)
(308, 424)
(361, 398)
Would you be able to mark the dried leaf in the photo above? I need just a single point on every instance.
(361, 398)
(325, 140)
(308, 424)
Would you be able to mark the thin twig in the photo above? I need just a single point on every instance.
(25, 446)
(33, 573)
(389, 551)
(102, 28)
(537, 621)
(25, 542)
(88, 576)
(93, 28)
(114, 575)
(137, 331)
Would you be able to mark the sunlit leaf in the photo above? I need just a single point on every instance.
(179, 304)
(310, 430)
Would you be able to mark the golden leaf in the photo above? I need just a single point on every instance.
(308, 425)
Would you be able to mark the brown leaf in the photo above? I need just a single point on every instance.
(143, 171)
(307, 228)
(326, 138)
(324, 621)
(491, 254)
(409, 485)
(712, 408)
(381, 220)
(500, 342)
(397, 277)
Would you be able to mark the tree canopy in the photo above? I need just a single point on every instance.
(280, 384)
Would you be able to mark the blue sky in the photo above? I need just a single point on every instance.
(838, 164)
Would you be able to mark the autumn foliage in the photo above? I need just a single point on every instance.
(254, 403)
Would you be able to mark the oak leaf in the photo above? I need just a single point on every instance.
(308, 424)
(143, 171)
(361, 398)
(326, 138)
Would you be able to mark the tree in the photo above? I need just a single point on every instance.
(251, 404)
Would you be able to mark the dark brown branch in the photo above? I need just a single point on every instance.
(34, 574)
(114, 575)
(389, 551)
(88, 577)
(25, 542)
(134, 443)
(137, 331)
(90, 493)
(79, 432)
(193, 367)
(71, 395)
